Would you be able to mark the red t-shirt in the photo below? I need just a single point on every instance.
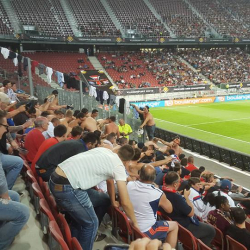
(191, 167)
(44, 146)
(33, 141)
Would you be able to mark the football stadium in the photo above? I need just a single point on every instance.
(124, 124)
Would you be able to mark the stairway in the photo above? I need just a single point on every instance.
(71, 18)
(12, 16)
(153, 10)
(113, 17)
(53, 84)
(196, 71)
(213, 31)
(97, 65)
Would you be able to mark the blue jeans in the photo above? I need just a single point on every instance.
(12, 166)
(150, 132)
(77, 204)
(13, 216)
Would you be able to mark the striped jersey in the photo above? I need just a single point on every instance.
(145, 199)
(87, 169)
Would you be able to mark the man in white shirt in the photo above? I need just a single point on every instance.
(73, 177)
(146, 199)
(49, 133)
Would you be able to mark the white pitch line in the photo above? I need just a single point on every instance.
(202, 131)
(246, 118)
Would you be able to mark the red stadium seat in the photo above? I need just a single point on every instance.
(64, 227)
(37, 192)
(46, 215)
(122, 225)
(56, 240)
(202, 246)
(187, 239)
(75, 244)
(233, 244)
(137, 234)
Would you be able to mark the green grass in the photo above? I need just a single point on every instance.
(223, 124)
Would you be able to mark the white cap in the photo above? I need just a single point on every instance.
(4, 98)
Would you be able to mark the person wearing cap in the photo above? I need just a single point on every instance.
(148, 122)
(225, 188)
(239, 231)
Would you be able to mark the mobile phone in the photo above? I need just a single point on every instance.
(116, 247)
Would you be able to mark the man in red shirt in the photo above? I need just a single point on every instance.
(35, 138)
(190, 166)
(60, 134)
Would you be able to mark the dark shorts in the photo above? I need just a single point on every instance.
(150, 132)
(158, 231)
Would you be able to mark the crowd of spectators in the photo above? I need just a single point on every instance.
(137, 17)
(219, 65)
(149, 69)
(217, 15)
(180, 18)
(149, 177)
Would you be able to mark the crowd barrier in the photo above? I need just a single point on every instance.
(74, 98)
(221, 154)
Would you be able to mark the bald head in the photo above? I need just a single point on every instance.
(121, 122)
(147, 173)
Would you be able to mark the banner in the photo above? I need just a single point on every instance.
(193, 101)
(151, 104)
(232, 98)
(98, 79)
(141, 91)
(185, 88)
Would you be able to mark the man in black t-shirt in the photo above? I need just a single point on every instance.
(60, 152)
(239, 231)
(22, 117)
(183, 210)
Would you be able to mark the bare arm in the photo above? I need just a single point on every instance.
(125, 202)
(166, 204)
(15, 112)
(137, 109)
(145, 121)
(111, 191)
(186, 194)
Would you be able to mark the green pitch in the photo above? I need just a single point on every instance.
(223, 124)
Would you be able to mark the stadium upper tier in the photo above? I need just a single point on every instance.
(112, 18)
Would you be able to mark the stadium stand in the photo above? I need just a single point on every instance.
(220, 65)
(148, 69)
(180, 18)
(143, 20)
(47, 16)
(5, 26)
(216, 15)
(92, 19)
(63, 62)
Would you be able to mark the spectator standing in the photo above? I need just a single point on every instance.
(148, 122)
(70, 182)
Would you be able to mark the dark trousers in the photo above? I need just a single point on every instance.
(204, 232)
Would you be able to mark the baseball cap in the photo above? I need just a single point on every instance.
(226, 184)
(4, 98)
